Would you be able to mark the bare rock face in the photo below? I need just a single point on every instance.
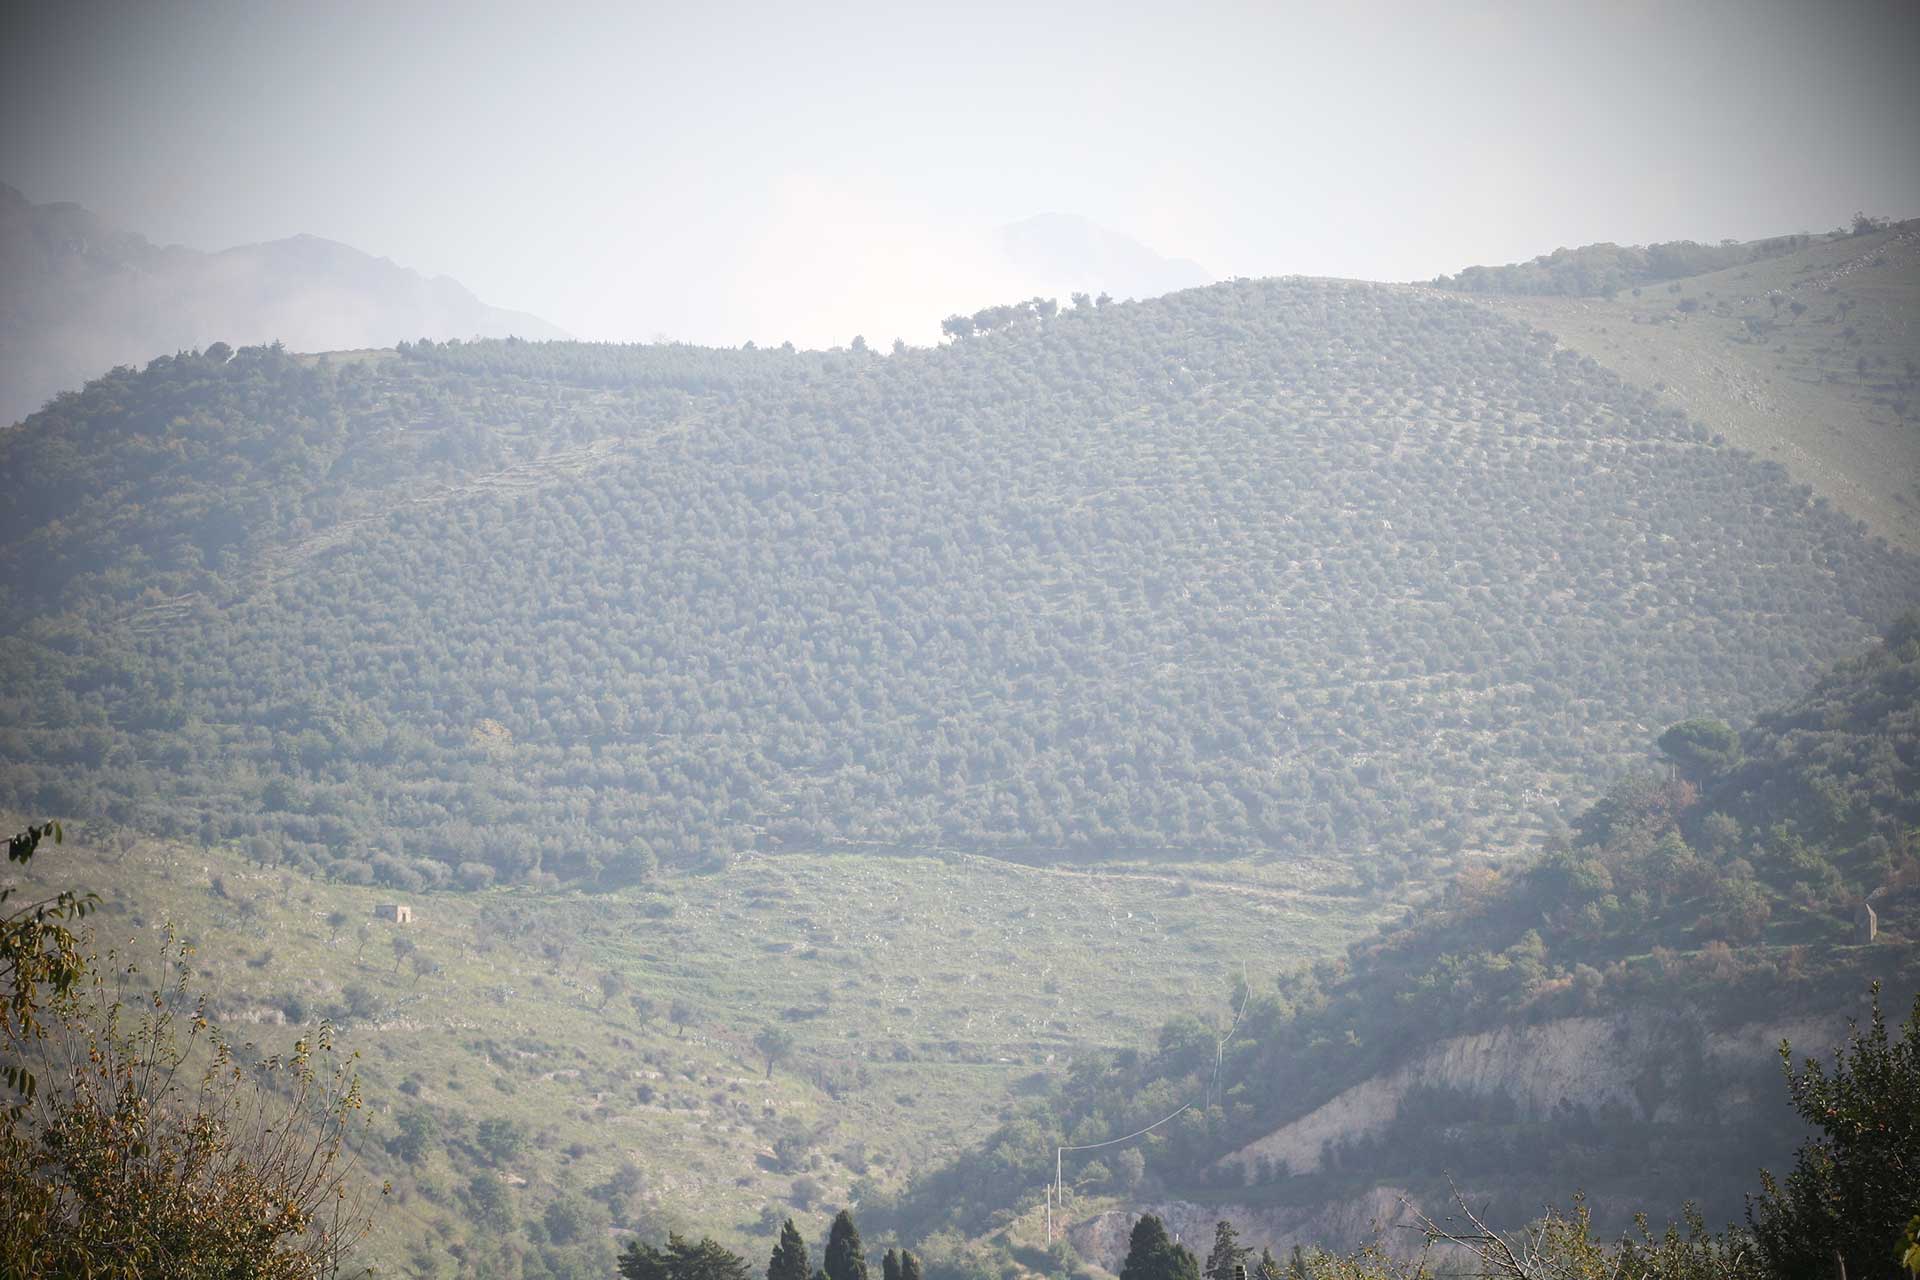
(1668, 1067)
(1655, 1064)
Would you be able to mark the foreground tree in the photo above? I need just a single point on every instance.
(845, 1259)
(1855, 1186)
(789, 1260)
(1153, 1255)
(1562, 1246)
(40, 959)
(1227, 1253)
(707, 1260)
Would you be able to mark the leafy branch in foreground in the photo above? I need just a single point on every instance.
(153, 1148)
(1854, 1185)
(39, 957)
(155, 1151)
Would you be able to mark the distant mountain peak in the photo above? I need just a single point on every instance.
(84, 296)
(1070, 251)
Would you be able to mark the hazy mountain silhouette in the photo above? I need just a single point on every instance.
(1058, 250)
(83, 296)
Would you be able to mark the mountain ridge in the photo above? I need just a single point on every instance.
(84, 296)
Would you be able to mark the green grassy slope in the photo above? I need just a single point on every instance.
(1808, 359)
(1263, 570)
(922, 996)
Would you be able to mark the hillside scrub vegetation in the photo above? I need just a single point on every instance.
(1265, 570)
(1846, 1205)
(1726, 885)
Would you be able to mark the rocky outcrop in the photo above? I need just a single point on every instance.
(1659, 1066)
(1671, 1067)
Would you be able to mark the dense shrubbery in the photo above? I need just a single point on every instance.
(1270, 568)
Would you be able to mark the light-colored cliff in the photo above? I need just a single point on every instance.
(1666, 1066)
(1657, 1064)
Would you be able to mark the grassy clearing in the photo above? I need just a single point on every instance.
(922, 995)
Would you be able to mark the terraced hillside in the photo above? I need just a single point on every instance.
(1264, 570)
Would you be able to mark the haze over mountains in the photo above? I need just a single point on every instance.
(82, 296)
(1062, 253)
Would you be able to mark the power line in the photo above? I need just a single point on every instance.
(1057, 1192)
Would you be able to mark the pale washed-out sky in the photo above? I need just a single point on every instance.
(727, 171)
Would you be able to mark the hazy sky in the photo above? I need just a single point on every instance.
(719, 172)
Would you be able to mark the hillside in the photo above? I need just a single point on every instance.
(1599, 1019)
(1266, 570)
(1807, 357)
(83, 296)
(1603, 270)
(485, 1031)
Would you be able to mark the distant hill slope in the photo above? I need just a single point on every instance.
(1260, 570)
(1808, 356)
(1603, 1019)
(1601, 270)
(82, 296)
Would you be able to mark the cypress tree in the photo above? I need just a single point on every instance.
(1148, 1240)
(890, 1266)
(909, 1266)
(1152, 1254)
(642, 1261)
(789, 1261)
(846, 1259)
(1227, 1253)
